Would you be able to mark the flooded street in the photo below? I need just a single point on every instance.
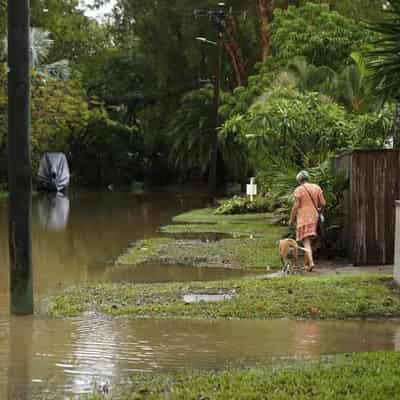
(70, 356)
(66, 357)
(75, 239)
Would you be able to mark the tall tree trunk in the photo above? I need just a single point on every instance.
(396, 125)
(265, 9)
(235, 52)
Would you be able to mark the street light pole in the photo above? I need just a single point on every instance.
(19, 158)
(220, 20)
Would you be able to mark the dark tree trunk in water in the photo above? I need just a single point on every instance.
(396, 126)
(19, 159)
(265, 9)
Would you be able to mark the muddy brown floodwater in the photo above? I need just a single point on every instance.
(75, 238)
(73, 241)
(69, 357)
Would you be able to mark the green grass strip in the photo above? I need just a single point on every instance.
(326, 297)
(373, 376)
(255, 245)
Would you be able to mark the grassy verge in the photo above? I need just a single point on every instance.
(373, 376)
(253, 243)
(326, 297)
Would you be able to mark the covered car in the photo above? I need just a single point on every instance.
(53, 172)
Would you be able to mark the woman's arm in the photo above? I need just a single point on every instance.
(293, 213)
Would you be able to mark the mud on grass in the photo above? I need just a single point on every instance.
(325, 297)
(254, 242)
(372, 376)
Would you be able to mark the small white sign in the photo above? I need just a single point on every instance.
(252, 190)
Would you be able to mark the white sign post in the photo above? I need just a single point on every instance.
(252, 189)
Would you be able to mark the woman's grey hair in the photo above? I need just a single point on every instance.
(303, 176)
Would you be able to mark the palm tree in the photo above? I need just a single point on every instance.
(354, 89)
(384, 60)
(191, 130)
(308, 77)
(41, 44)
(350, 87)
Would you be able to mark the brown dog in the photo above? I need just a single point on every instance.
(289, 252)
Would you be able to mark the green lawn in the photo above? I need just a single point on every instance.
(373, 376)
(326, 297)
(254, 242)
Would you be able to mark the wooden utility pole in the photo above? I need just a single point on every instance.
(218, 16)
(220, 22)
(19, 158)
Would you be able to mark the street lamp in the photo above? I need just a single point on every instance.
(205, 40)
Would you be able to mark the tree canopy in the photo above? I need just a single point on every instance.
(138, 93)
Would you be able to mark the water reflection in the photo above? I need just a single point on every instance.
(20, 358)
(53, 211)
(74, 238)
(66, 357)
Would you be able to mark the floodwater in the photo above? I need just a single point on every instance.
(69, 357)
(74, 240)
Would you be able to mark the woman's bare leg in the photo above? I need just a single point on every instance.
(308, 254)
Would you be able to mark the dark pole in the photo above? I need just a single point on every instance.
(220, 24)
(19, 159)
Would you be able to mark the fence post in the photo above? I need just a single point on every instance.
(397, 245)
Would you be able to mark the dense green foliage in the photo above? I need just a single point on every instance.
(138, 102)
(312, 31)
(384, 57)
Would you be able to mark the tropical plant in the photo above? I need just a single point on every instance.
(302, 128)
(41, 44)
(191, 131)
(350, 87)
(324, 37)
(384, 60)
(308, 77)
(354, 89)
(244, 205)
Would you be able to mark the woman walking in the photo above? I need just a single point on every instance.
(309, 201)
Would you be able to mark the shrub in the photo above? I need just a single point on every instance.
(243, 205)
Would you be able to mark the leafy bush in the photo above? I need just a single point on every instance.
(107, 152)
(243, 205)
(324, 37)
(302, 128)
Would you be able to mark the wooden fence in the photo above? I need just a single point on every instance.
(369, 223)
(397, 245)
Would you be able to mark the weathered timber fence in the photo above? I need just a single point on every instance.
(369, 205)
(397, 245)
